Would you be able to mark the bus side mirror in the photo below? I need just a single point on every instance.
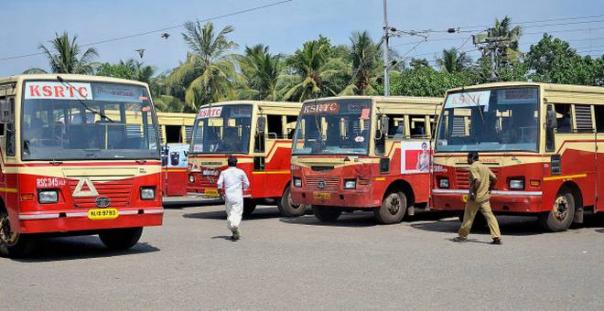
(4, 111)
(550, 118)
(384, 124)
(261, 125)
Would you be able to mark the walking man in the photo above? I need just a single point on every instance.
(481, 181)
(231, 183)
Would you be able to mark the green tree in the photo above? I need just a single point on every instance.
(208, 74)
(426, 81)
(417, 63)
(315, 70)
(364, 57)
(65, 55)
(453, 61)
(261, 71)
(130, 69)
(34, 70)
(553, 60)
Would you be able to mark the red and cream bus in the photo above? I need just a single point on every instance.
(79, 155)
(363, 153)
(259, 134)
(175, 132)
(541, 140)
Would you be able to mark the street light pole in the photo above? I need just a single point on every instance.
(386, 51)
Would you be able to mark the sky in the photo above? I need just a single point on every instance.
(28, 23)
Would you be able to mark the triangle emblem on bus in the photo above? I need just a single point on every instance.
(84, 188)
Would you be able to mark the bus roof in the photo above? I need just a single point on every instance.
(387, 99)
(546, 86)
(69, 77)
(256, 102)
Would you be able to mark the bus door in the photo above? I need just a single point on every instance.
(7, 133)
(259, 176)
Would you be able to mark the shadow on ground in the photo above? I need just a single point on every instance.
(80, 247)
(176, 203)
(509, 225)
(260, 213)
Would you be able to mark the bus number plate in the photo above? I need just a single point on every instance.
(211, 193)
(103, 213)
(322, 195)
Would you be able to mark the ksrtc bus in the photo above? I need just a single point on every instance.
(543, 141)
(363, 153)
(79, 155)
(259, 134)
(176, 130)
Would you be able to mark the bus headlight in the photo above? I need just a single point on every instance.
(147, 193)
(191, 178)
(297, 182)
(443, 183)
(350, 184)
(516, 184)
(48, 196)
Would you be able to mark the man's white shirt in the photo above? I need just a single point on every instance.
(234, 181)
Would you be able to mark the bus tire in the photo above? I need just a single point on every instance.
(121, 239)
(249, 206)
(393, 209)
(12, 244)
(287, 208)
(326, 214)
(561, 216)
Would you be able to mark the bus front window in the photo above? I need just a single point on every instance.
(223, 129)
(490, 120)
(333, 127)
(109, 121)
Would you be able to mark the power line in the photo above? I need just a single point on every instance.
(529, 22)
(140, 34)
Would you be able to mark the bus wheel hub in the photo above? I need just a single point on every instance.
(394, 205)
(561, 208)
(6, 235)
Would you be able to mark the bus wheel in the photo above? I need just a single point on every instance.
(249, 206)
(288, 208)
(12, 244)
(121, 239)
(561, 216)
(393, 209)
(326, 214)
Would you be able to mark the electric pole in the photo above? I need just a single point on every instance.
(386, 51)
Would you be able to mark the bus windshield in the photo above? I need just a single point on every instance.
(87, 120)
(490, 120)
(333, 127)
(222, 129)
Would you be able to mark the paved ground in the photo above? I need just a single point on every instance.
(301, 264)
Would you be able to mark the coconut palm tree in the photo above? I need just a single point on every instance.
(365, 59)
(261, 71)
(34, 70)
(65, 55)
(208, 74)
(313, 67)
(453, 61)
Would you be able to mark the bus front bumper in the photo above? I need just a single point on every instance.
(68, 221)
(354, 199)
(513, 202)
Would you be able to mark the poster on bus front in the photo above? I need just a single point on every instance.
(415, 157)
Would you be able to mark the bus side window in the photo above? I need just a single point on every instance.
(563, 118)
(599, 114)
(275, 127)
(290, 129)
(7, 115)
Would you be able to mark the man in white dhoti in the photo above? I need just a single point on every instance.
(231, 183)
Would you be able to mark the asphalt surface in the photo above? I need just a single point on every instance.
(301, 264)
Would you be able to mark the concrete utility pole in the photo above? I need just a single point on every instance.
(386, 51)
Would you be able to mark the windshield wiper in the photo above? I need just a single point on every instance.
(86, 107)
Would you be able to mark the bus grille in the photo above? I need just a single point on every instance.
(117, 191)
(462, 177)
(331, 183)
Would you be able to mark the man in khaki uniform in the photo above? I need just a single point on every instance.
(481, 180)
